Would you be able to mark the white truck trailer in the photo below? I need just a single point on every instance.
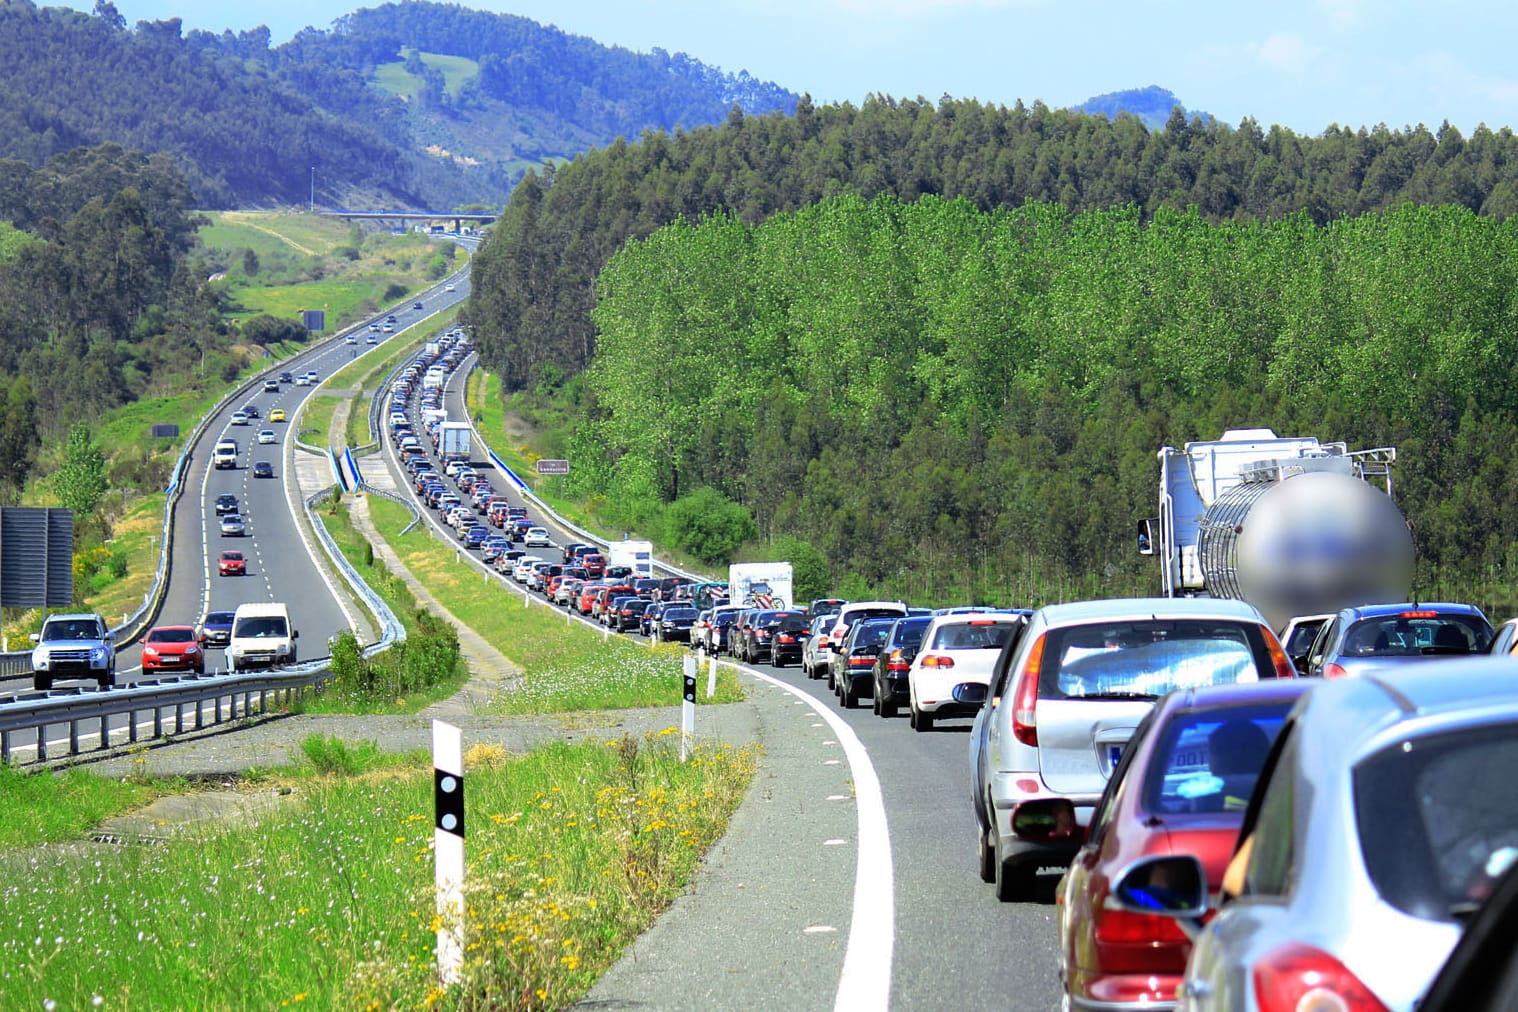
(760, 584)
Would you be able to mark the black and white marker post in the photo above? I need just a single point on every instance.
(688, 708)
(448, 845)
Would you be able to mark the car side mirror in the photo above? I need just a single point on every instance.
(295, 634)
(35, 637)
(1146, 536)
(970, 693)
(1171, 885)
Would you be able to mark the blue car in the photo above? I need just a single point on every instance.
(475, 536)
(1383, 635)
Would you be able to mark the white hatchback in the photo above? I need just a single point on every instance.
(519, 571)
(536, 537)
(956, 649)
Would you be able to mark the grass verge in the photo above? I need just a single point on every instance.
(397, 594)
(38, 808)
(327, 901)
(567, 666)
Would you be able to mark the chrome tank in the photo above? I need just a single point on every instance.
(1308, 544)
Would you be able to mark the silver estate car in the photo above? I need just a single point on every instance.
(1065, 699)
(1386, 812)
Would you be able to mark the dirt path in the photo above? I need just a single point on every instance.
(247, 219)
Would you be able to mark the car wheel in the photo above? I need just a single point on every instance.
(987, 849)
(921, 721)
(1011, 883)
(850, 694)
(778, 662)
(875, 704)
(832, 682)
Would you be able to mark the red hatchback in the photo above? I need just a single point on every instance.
(232, 564)
(172, 648)
(1180, 788)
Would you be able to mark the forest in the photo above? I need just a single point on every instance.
(99, 299)
(954, 404)
(534, 284)
(247, 122)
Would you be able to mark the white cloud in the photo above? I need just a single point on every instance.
(1342, 14)
(1286, 52)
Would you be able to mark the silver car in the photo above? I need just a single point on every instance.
(1066, 698)
(1385, 814)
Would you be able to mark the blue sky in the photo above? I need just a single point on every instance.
(1304, 64)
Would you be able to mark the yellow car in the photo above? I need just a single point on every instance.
(277, 415)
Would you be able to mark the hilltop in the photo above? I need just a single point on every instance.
(407, 104)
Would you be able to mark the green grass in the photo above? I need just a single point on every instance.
(327, 900)
(395, 78)
(397, 594)
(567, 666)
(269, 232)
(137, 536)
(42, 807)
(317, 414)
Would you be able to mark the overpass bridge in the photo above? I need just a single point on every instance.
(435, 221)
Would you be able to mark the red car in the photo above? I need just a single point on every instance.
(232, 564)
(1180, 787)
(172, 648)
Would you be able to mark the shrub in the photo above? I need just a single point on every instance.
(708, 525)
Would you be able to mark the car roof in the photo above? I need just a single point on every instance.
(1142, 608)
(1456, 691)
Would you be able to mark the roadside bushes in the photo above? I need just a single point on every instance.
(424, 659)
(708, 525)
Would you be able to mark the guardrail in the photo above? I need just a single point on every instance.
(152, 709)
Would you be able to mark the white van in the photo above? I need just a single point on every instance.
(225, 454)
(262, 636)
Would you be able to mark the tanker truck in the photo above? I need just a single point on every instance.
(1289, 525)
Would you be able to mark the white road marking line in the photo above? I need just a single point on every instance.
(865, 982)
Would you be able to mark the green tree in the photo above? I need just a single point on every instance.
(80, 482)
(708, 525)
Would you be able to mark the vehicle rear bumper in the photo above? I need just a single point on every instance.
(1130, 992)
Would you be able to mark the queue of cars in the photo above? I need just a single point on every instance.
(1227, 833)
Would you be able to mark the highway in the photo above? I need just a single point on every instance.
(282, 564)
(953, 945)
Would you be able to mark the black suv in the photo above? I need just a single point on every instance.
(226, 503)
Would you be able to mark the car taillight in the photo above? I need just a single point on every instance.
(1025, 699)
(1333, 670)
(1284, 667)
(785, 638)
(937, 661)
(897, 663)
(1297, 977)
(861, 661)
(1119, 927)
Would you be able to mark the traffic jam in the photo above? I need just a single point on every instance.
(1261, 790)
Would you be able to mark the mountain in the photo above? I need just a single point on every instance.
(407, 104)
(1153, 105)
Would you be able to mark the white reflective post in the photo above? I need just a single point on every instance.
(448, 844)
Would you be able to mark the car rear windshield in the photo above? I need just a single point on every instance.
(872, 633)
(1438, 818)
(1413, 634)
(1151, 657)
(973, 635)
(1209, 760)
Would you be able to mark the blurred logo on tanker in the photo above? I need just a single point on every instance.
(1320, 542)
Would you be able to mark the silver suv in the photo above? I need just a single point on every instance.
(74, 646)
(1064, 700)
